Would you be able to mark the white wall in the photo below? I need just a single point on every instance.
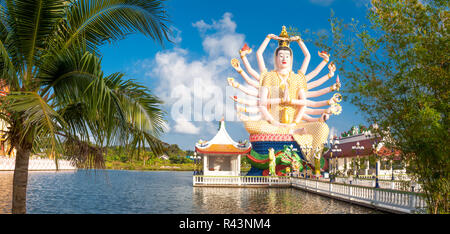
(8, 164)
(223, 165)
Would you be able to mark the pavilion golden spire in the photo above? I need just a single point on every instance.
(283, 34)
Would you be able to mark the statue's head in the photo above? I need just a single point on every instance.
(283, 54)
(283, 58)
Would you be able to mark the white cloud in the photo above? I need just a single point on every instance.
(184, 126)
(224, 41)
(201, 26)
(195, 89)
(225, 25)
(223, 45)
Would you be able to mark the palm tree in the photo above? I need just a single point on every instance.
(59, 100)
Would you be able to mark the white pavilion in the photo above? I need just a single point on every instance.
(222, 155)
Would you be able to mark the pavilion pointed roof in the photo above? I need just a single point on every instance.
(222, 143)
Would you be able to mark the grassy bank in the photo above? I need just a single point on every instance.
(117, 165)
(146, 161)
(117, 159)
(160, 166)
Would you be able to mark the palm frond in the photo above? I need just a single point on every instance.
(68, 73)
(83, 153)
(38, 119)
(123, 112)
(143, 114)
(32, 22)
(112, 111)
(95, 22)
(74, 114)
(7, 68)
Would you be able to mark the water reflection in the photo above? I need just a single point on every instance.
(139, 192)
(6, 179)
(268, 201)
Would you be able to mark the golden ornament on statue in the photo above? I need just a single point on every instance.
(245, 49)
(337, 97)
(284, 42)
(235, 63)
(336, 109)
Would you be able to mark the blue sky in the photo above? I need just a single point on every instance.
(207, 35)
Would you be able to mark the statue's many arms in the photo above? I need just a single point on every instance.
(281, 104)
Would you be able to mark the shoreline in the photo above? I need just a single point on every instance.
(152, 169)
(138, 166)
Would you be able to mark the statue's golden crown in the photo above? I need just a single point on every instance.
(283, 34)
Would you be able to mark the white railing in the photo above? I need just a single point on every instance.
(388, 199)
(385, 184)
(241, 180)
(8, 164)
(377, 198)
(388, 176)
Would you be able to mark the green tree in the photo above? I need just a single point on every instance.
(175, 151)
(396, 70)
(59, 97)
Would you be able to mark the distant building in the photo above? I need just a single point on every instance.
(221, 155)
(164, 157)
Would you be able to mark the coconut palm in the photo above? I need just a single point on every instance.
(59, 100)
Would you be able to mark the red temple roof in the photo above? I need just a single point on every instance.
(348, 151)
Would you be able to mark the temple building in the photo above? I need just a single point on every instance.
(221, 155)
(346, 154)
(3, 142)
(4, 147)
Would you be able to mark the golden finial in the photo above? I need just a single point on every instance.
(284, 34)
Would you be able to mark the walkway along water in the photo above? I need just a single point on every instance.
(389, 200)
(404, 185)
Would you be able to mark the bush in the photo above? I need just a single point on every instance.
(179, 160)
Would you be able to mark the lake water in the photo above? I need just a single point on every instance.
(161, 192)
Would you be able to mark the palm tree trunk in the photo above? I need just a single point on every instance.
(20, 179)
